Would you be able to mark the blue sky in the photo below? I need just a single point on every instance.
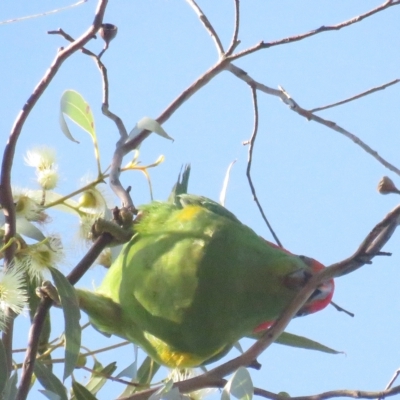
(317, 188)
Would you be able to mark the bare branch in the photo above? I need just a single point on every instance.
(250, 160)
(9, 21)
(355, 394)
(207, 25)
(366, 93)
(390, 384)
(265, 45)
(182, 98)
(235, 42)
(294, 106)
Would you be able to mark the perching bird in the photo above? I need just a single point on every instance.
(193, 280)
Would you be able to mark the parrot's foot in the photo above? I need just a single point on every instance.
(48, 290)
(120, 227)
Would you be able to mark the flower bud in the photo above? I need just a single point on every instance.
(386, 186)
(108, 32)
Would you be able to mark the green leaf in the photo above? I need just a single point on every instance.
(81, 393)
(129, 372)
(72, 315)
(238, 347)
(78, 110)
(97, 381)
(239, 386)
(289, 339)
(144, 376)
(10, 390)
(150, 125)
(26, 228)
(50, 395)
(49, 381)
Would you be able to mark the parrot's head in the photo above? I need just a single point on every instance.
(321, 297)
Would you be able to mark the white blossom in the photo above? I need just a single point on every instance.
(12, 292)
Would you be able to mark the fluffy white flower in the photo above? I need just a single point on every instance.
(35, 259)
(41, 158)
(47, 178)
(27, 207)
(44, 160)
(12, 292)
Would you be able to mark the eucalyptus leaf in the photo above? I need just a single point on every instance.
(78, 110)
(26, 228)
(72, 315)
(97, 380)
(129, 372)
(81, 393)
(290, 339)
(151, 125)
(49, 381)
(144, 376)
(50, 395)
(239, 386)
(10, 390)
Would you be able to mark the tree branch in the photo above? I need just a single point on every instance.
(235, 42)
(294, 106)
(249, 162)
(265, 45)
(357, 96)
(207, 25)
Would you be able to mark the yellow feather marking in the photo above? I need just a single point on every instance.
(189, 212)
(175, 359)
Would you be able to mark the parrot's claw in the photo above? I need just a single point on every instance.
(120, 233)
(48, 290)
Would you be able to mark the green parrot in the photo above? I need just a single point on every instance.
(193, 280)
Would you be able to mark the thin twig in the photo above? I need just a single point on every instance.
(207, 25)
(390, 384)
(250, 160)
(175, 104)
(114, 346)
(366, 93)
(235, 42)
(294, 106)
(354, 394)
(111, 378)
(265, 45)
(9, 21)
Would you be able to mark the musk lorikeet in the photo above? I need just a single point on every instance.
(193, 280)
